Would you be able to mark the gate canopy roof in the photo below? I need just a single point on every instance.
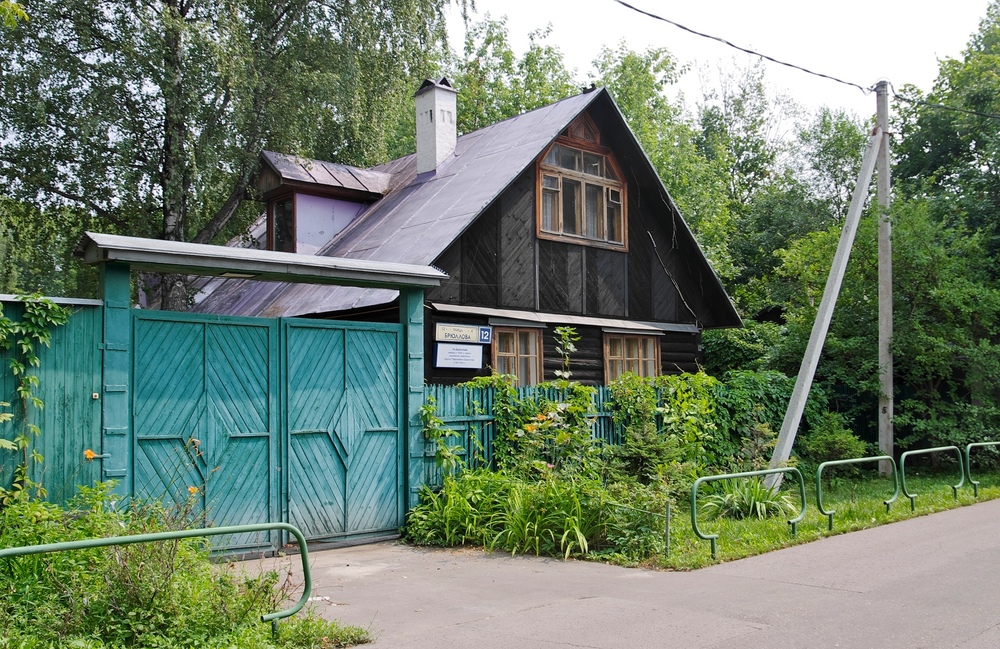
(221, 261)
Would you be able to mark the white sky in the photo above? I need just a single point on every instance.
(860, 41)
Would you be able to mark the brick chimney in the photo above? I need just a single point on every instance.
(436, 127)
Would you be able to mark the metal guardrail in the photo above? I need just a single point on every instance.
(902, 471)
(746, 474)
(819, 483)
(84, 544)
(968, 465)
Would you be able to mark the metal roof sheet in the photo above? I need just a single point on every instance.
(328, 174)
(419, 216)
(202, 259)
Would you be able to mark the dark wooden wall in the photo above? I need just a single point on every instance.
(500, 263)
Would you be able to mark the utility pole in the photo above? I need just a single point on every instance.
(797, 403)
(885, 364)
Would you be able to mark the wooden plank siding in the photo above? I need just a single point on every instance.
(69, 374)
(499, 262)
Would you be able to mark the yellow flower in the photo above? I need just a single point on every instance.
(540, 417)
(89, 455)
(193, 490)
(529, 427)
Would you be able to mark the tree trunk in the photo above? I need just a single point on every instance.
(175, 183)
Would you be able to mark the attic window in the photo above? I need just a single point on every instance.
(281, 224)
(581, 195)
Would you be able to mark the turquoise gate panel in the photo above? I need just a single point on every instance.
(70, 421)
(344, 428)
(203, 417)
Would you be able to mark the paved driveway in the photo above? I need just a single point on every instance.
(932, 581)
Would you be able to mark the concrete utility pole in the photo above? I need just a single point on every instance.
(885, 365)
(824, 315)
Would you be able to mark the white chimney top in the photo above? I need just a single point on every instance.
(437, 130)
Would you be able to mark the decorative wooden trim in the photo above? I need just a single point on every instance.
(619, 185)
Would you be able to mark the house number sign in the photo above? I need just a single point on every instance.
(454, 333)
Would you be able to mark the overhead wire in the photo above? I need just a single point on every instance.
(866, 90)
(930, 104)
(746, 50)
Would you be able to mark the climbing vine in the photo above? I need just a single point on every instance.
(22, 339)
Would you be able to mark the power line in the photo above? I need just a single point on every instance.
(954, 109)
(744, 49)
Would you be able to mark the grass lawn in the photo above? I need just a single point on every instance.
(857, 501)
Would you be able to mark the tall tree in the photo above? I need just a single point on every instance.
(953, 156)
(639, 82)
(494, 83)
(151, 114)
(742, 129)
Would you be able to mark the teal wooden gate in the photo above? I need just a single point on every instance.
(265, 420)
(344, 428)
(204, 416)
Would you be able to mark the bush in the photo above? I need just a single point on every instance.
(831, 441)
(143, 595)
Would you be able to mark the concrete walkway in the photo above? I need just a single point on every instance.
(932, 581)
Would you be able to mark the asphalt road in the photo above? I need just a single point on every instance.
(932, 581)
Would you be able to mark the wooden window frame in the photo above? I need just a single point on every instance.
(608, 358)
(557, 233)
(270, 221)
(517, 356)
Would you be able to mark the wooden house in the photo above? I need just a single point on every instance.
(552, 218)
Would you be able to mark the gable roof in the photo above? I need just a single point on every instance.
(421, 215)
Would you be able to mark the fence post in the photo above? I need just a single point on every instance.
(116, 366)
(411, 317)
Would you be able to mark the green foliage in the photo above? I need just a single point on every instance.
(566, 339)
(951, 156)
(831, 440)
(557, 439)
(494, 84)
(551, 516)
(687, 407)
(447, 455)
(11, 13)
(151, 116)
(544, 430)
(36, 250)
(144, 595)
(23, 339)
(747, 348)
(747, 498)
(645, 454)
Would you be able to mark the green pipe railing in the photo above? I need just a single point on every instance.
(968, 465)
(84, 544)
(936, 449)
(819, 483)
(746, 474)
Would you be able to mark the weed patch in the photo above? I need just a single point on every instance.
(165, 594)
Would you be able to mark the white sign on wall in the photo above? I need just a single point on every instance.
(455, 333)
(460, 356)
